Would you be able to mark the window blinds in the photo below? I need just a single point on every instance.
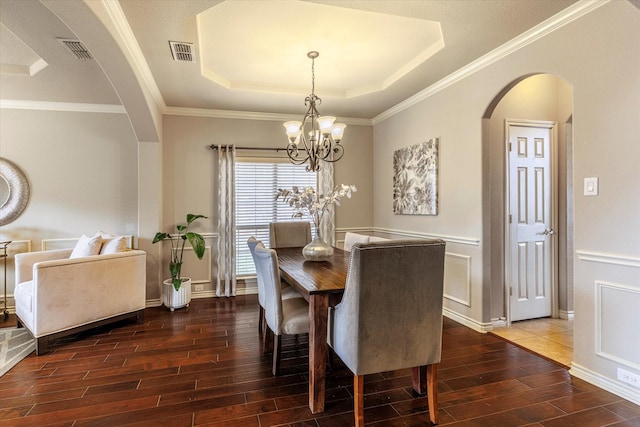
(256, 206)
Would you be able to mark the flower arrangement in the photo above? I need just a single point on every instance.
(306, 201)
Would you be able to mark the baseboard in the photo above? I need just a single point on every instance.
(565, 315)
(467, 321)
(626, 392)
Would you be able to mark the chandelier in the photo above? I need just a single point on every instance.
(316, 137)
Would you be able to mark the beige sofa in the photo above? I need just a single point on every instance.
(56, 296)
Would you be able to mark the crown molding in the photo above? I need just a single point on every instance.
(562, 18)
(16, 104)
(139, 63)
(248, 115)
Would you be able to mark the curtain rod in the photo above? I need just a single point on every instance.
(215, 147)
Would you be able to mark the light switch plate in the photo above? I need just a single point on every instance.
(591, 186)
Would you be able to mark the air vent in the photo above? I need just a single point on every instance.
(182, 52)
(76, 48)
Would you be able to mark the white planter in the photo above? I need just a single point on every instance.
(177, 299)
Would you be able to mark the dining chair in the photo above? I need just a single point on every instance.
(390, 316)
(289, 234)
(283, 316)
(286, 290)
(352, 238)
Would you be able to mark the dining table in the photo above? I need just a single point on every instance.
(322, 284)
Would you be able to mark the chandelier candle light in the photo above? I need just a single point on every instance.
(319, 135)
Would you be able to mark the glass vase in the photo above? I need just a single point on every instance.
(317, 250)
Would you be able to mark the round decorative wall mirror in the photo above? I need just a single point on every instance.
(14, 191)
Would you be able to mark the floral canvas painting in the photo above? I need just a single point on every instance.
(415, 179)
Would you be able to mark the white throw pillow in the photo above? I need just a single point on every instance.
(114, 245)
(87, 246)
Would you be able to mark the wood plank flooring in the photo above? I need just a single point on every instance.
(203, 366)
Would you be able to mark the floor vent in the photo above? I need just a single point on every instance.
(76, 47)
(182, 52)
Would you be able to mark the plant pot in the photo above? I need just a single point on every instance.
(177, 299)
(317, 250)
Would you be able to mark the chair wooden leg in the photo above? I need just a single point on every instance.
(432, 392)
(267, 340)
(261, 321)
(358, 399)
(277, 347)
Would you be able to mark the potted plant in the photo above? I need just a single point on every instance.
(177, 292)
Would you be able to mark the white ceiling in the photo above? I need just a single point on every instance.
(251, 55)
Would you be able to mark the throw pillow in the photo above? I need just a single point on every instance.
(114, 245)
(87, 246)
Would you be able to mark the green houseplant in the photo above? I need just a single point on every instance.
(178, 242)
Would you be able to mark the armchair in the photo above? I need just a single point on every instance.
(390, 316)
(57, 296)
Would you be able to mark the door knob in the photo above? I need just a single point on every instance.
(548, 232)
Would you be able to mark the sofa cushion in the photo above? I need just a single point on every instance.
(87, 246)
(113, 245)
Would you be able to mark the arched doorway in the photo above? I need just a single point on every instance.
(532, 100)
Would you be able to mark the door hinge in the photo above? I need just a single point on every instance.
(510, 219)
(509, 147)
(510, 291)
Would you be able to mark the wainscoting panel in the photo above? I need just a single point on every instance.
(617, 304)
(457, 278)
(198, 270)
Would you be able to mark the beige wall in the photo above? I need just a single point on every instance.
(602, 63)
(80, 167)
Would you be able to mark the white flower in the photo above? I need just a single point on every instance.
(306, 201)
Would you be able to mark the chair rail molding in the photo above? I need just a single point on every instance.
(608, 258)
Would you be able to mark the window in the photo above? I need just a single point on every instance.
(256, 185)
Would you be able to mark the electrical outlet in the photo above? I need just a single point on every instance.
(629, 377)
(198, 288)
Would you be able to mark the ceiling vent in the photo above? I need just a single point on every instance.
(182, 52)
(76, 47)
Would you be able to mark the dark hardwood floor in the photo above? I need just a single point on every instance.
(203, 366)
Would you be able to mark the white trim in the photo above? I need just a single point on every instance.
(467, 321)
(548, 26)
(615, 387)
(608, 258)
(16, 104)
(565, 314)
(249, 115)
(598, 326)
(138, 61)
(418, 235)
(155, 302)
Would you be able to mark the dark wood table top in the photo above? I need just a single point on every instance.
(314, 277)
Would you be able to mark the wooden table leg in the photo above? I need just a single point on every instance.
(318, 314)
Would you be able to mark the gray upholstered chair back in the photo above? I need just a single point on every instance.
(269, 273)
(391, 314)
(292, 234)
(252, 242)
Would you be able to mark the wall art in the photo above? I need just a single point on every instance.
(415, 179)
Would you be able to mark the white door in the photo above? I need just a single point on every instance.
(531, 219)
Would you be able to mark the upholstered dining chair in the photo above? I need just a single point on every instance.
(352, 238)
(289, 234)
(283, 316)
(286, 290)
(373, 239)
(390, 316)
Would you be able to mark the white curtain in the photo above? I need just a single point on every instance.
(226, 277)
(325, 185)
